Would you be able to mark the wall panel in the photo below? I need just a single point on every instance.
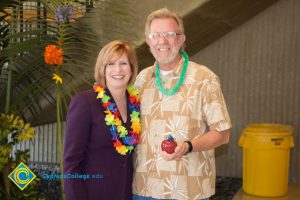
(259, 67)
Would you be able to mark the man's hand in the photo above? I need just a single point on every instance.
(210, 140)
(180, 150)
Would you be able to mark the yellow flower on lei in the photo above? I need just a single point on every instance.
(133, 92)
(99, 90)
(118, 122)
(122, 150)
(109, 118)
(136, 126)
(100, 94)
(122, 130)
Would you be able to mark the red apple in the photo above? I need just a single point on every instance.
(169, 145)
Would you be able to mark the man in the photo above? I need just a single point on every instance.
(182, 99)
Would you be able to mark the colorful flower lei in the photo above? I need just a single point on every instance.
(124, 140)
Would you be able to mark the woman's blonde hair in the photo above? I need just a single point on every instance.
(160, 14)
(116, 47)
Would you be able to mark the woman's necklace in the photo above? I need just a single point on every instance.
(181, 77)
(124, 140)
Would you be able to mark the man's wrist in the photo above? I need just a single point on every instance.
(190, 146)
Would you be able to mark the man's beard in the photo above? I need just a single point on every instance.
(167, 59)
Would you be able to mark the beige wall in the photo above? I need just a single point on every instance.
(259, 67)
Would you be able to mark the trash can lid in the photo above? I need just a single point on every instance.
(267, 129)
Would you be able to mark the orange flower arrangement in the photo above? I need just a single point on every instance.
(53, 55)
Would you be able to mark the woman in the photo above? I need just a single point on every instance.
(103, 126)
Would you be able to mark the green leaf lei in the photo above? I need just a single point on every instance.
(181, 78)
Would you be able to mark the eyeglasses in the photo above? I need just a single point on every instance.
(166, 35)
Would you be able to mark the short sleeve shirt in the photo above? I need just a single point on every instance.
(197, 107)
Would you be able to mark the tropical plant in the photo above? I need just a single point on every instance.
(53, 56)
(26, 80)
(26, 85)
(13, 130)
(26, 27)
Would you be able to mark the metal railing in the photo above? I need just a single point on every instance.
(43, 149)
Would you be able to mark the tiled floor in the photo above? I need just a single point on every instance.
(226, 188)
(293, 194)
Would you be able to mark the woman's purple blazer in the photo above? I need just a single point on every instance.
(89, 152)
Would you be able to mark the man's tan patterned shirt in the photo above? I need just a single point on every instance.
(198, 106)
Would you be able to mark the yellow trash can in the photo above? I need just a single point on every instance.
(266, 155)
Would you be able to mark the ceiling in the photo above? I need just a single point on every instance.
(209, 22)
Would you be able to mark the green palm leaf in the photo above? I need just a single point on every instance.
(32, 89)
